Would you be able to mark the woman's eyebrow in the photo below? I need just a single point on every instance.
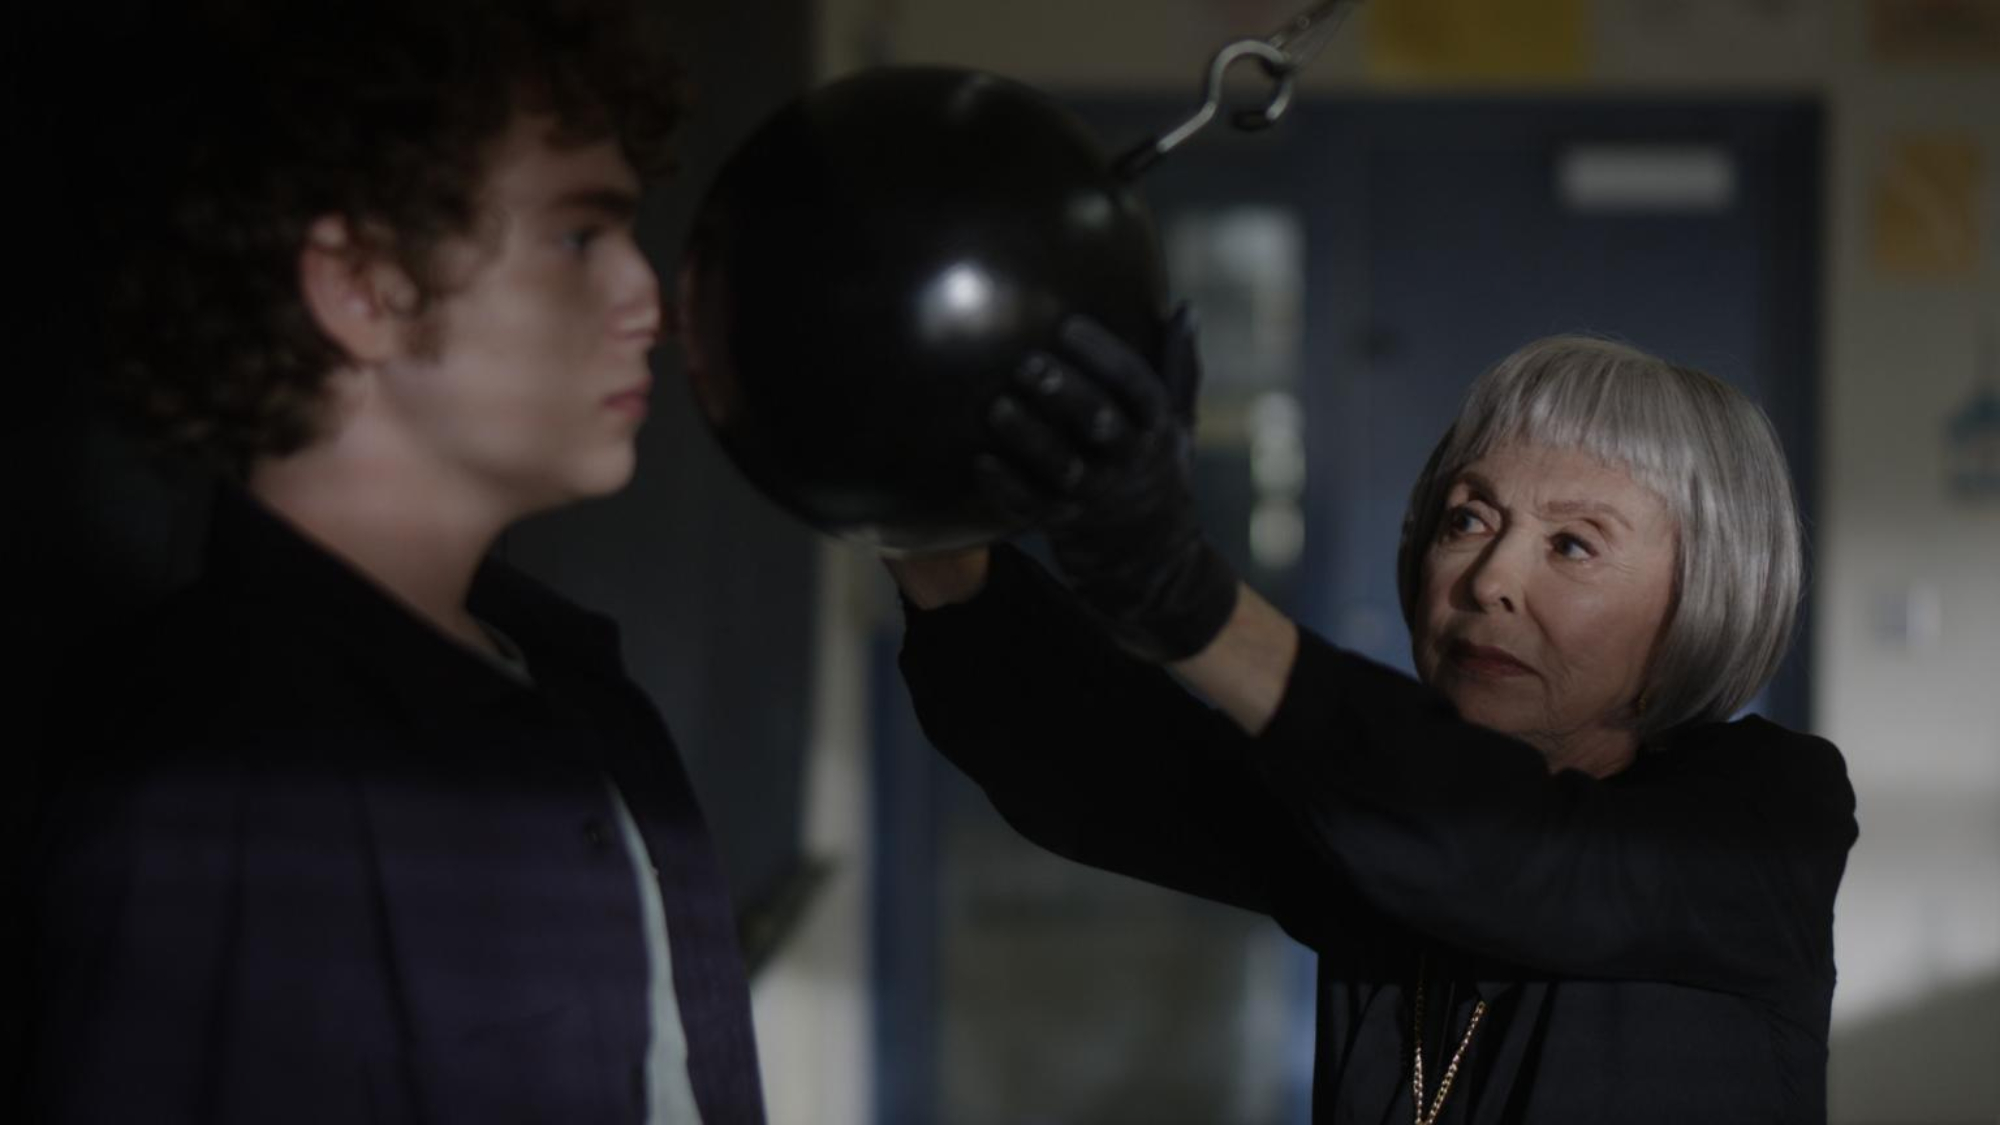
(1482, 490)
(1478, 485)
(1587, 509)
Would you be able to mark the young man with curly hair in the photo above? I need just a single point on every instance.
(369, 826)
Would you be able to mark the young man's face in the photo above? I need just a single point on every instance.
(532, 380)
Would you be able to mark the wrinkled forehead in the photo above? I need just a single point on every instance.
(1559, 483)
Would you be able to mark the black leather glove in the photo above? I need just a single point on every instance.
(1093, 447)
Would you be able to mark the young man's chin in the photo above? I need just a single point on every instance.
(611, 475)
(601, 477)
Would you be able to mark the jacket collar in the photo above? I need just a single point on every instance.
(254, 553)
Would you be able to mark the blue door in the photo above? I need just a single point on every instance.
(1455, 232)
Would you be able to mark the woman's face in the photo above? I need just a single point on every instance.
(1542, 597)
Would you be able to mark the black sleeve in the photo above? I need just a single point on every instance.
(1713, 862)
(1092, 754)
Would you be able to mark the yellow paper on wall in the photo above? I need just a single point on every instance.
(1479, 40)
(1925, 210)
(1935, 31)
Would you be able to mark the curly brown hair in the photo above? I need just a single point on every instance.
(257, 118)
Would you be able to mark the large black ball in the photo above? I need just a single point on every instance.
(868, 267)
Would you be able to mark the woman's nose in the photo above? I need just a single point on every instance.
(1495, 580)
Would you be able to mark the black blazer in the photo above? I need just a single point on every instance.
(1652, 947)
(303, 859)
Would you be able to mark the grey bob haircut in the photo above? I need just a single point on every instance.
(1703, 448)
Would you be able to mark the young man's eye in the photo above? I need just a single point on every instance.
(579, 240)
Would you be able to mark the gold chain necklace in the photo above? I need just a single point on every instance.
(1417, 1055)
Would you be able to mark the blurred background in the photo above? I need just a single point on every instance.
(1800, 196)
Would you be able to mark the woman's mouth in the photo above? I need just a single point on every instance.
(1485, 661)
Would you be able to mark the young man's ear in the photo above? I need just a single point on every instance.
(361, 301)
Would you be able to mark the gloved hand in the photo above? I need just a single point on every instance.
(1093, 447)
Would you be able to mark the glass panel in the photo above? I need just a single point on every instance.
(1243, 269)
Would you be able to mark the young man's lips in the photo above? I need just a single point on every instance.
(1481, 660)
(643, 338)
(631, 398)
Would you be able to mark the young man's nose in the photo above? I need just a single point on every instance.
(645, 283)
(638, 298)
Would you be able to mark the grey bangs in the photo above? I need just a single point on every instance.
(1699, 444)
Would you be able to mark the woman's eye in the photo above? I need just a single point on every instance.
(579, 240)
(1462, 521)
(1570, 547)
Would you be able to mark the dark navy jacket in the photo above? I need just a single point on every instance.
(307, 860)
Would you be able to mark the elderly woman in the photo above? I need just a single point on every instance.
(1553, 881)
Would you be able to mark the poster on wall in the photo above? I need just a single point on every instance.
(1769, 41)
(1925, 208)
(1935, 31)
(1522, 41)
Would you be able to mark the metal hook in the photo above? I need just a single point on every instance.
(1280, 56)
(1276, 66)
